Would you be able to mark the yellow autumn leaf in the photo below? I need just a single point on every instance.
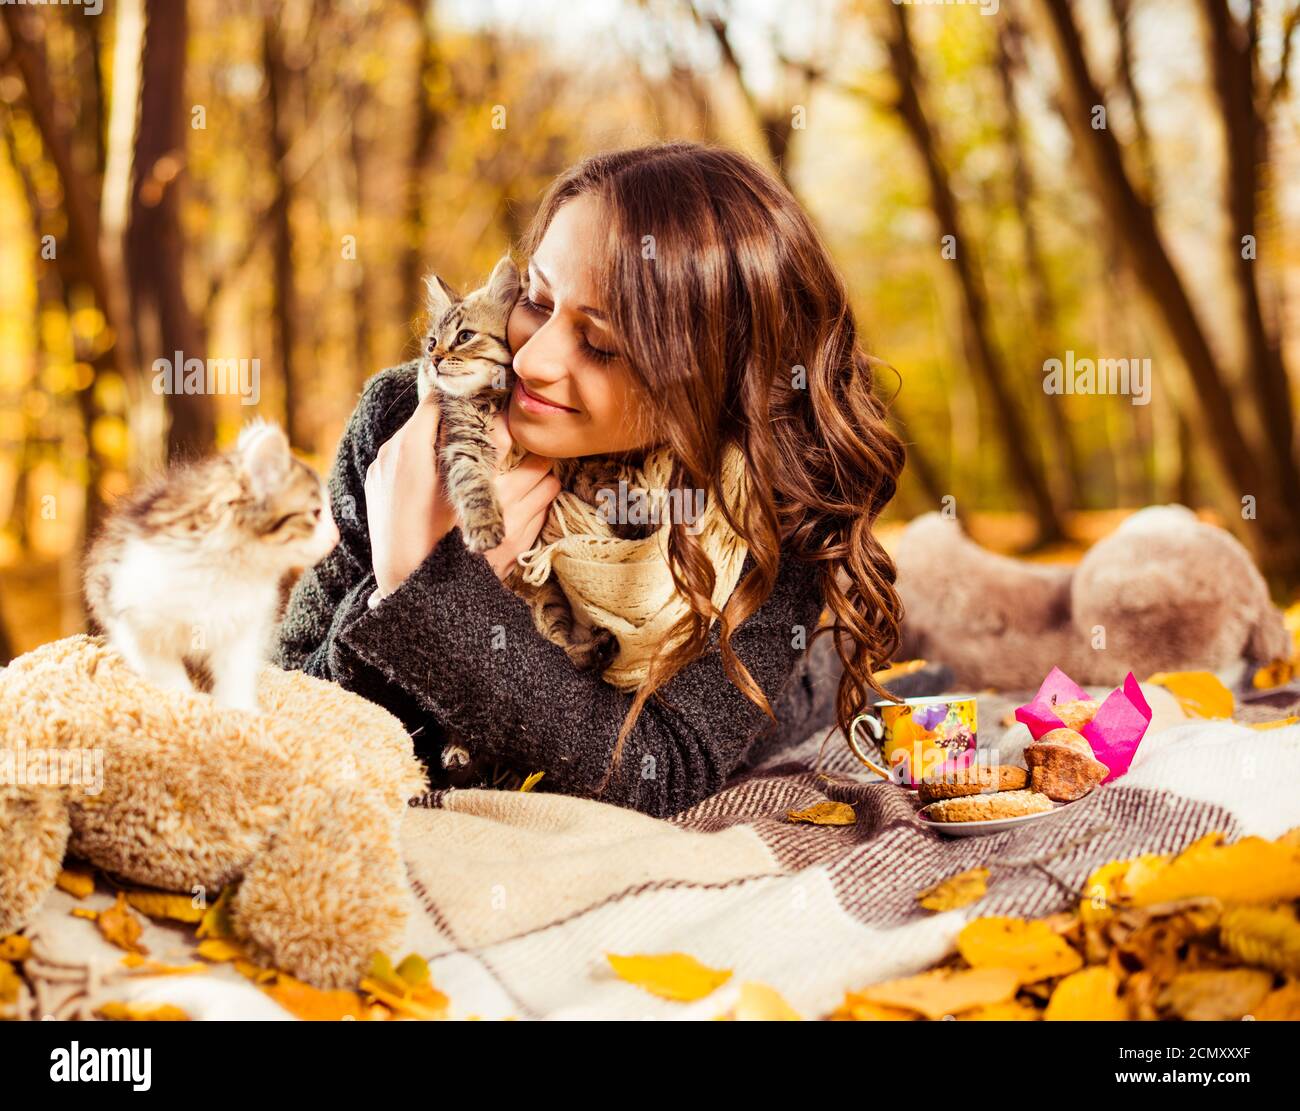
(145, 966)
(253, 972)
(216, 919)
(1275, 674)
(1251, 870)
(407, 990)
(426, 1003)
(77, 882)
(1265, 936)
(760, 1003)
(1032, 950)
(825, 814)
(15, 947)
(314, 1004)
(84, 912)
(532, 781)
(856, 1009)
(121, 927)
(10, 983)
(956, 891)
(1201, 694)
(165, 904)
(414, 970)
(1281, 1005)
(945, 991)
(1003, 1012)
(1090, 995)
(218, 950)
(1101, 894)
(1281, 723)
(669, 975)
(141, 1012)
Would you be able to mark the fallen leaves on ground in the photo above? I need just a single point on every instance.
(675, 976)
(144, 966)
(956, 891)
(1208, 933)
(142, 1012)
(532, 781)
(120, 926)
(761, 1003)
(1201, 694)
(77, 882)
(166, 904)
(406, 990)
(825, 814)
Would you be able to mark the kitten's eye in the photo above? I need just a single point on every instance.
(431, 345)
(279, 524)
(465, 336)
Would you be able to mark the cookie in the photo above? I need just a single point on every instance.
(978, 779)
(981, 808)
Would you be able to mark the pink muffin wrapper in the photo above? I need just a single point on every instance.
(1114, 733)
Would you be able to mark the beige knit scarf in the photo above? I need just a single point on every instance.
(625, 586)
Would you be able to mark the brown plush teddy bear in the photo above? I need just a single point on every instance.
(298, 805)
(1164, 592)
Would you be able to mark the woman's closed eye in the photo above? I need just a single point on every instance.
(597, 354)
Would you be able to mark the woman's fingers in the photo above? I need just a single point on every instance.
(499, 431)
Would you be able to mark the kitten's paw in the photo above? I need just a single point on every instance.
(596, 653)
(485, 536)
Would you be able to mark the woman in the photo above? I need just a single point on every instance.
(678, 298)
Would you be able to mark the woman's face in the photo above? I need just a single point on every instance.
(573, 396)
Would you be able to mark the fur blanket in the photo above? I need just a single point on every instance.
(520, 896)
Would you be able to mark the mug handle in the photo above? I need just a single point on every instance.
(877, 731)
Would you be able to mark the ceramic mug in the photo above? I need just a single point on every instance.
(918, 737)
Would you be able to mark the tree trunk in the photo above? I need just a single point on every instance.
(423, 134)
(1043, 303)
(1232, 48)
(1275, 540)
(154, 242)
(284, 286)
(1023, 470)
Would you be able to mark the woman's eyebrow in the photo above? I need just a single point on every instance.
(581, 308)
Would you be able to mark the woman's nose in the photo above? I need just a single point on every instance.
(540, 359)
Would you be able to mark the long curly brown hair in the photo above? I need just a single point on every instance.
(726, 304)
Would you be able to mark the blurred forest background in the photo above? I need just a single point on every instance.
(1002, 184)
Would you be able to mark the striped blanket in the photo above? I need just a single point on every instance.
(519, 897)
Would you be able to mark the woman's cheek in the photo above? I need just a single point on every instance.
(519, 328)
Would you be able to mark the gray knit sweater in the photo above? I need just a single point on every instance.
(454, 654)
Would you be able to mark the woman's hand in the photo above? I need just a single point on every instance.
(525, 495)
(406, 508)
(408, 512)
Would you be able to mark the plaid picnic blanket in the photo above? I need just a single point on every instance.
(519, 896)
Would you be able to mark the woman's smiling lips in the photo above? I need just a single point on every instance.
(531, 403)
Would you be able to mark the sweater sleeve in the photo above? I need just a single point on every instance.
(331, 594)
(466, 648)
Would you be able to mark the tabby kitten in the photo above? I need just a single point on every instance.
(185, 575)
(467, 359)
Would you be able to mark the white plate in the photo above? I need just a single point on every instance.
(989, 825)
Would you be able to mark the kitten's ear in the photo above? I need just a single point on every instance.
(264, 451)
(438, 297)
(503, 285)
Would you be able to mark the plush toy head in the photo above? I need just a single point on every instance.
(299, 805)
(1168, 591)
